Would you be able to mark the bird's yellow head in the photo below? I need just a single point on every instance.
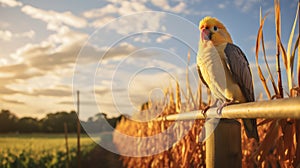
(213, 30)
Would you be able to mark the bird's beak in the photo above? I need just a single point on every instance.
(206, 34)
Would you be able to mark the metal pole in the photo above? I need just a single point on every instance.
(275, 109)
(223, 143)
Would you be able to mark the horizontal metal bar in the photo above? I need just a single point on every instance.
(274, 109)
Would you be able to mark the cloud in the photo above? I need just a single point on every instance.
(30, 34)
(117, 7)
(13, 67)
(245, 5)
(141, 22)
(121, 50)
(55, 20)
(127, 96)
(12, 101)
(104, 90)
(101, 22)
(59, 50)
(132, 90)
(66, 36)
(163, 38)
(269, 46)
(17, 73)
(42, 65)
(70, 102)
(143, 38)
(133, 80)
(100, 12)
(221, 6)
(32, 50)
(7, 91)
(164, 4)
(57, 91)
(52, 60)
(10, 3)
(7, 35)
(113, 10)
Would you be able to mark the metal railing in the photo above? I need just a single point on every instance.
(223, 146)
(275, 109)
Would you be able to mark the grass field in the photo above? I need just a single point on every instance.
(40, 150)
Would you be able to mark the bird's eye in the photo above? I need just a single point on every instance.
(215, 28)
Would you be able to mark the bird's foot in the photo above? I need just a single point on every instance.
(205, 110)
(220, 108)
(207, 107)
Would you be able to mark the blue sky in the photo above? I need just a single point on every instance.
(119, 53)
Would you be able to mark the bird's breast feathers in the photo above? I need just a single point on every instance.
(212, 64)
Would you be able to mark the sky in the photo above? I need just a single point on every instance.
(118, 54)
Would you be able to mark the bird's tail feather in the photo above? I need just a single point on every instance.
(251, 128)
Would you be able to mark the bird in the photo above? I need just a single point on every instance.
(224, 69)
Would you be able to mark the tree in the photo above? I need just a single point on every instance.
(7, 121)
(28, 125)
(54, 122)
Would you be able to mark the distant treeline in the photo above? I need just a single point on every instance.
(54, 123)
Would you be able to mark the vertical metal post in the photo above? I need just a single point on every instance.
(78, 131)
(223, 146)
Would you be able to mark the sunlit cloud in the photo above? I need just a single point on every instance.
(7, 35)
(162, 38)
(10, 3)
(101, 22)
(117, 8)
(100, 12)
(143, 38)
(149, 22)
(55, 19)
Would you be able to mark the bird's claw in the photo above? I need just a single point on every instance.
(204, 111)
(220, 108)
(207, 107)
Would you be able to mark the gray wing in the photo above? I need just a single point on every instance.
(201, 77)
(239, 67)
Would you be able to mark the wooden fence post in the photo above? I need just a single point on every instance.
(223, 146)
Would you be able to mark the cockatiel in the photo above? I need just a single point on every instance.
(224, 69)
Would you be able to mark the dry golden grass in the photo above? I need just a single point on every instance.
(278, 146)
(189, 151)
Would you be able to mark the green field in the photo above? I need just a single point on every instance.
(41, 150)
